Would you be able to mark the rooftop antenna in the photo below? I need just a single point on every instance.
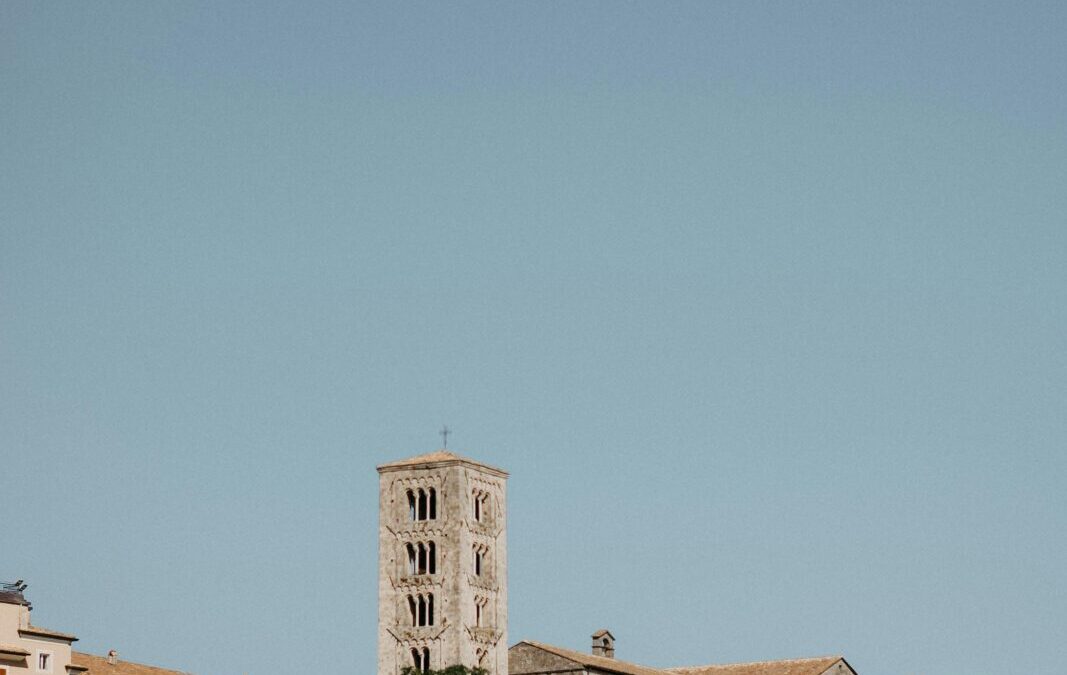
(445, 431)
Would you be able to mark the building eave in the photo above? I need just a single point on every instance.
(35, 632)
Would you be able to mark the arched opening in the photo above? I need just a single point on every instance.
(429, 609)
(416, 659)
(432, 566)
(411, 559)
(413, 611)
(433, 504)
(422, 504)
(425, 659)
(421, 568)
(478, 561)
(422, 611)
(477, 507)
(411, 505)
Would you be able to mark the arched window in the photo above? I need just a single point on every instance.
(422, 611)
(480, 505)
(416, 659)
(422, 558)
(425, 659)
(429, 609)
(478, 558)
(411, 558)
(433, 558)
(478, 612)
(422, 504)
(413, 610)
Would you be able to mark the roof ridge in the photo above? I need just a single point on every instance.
(755, 663)
(603, 662)
(132, 663)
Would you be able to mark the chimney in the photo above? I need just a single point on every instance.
(112, 657)
(604, 644)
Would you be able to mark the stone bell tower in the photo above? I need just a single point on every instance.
(442, 564)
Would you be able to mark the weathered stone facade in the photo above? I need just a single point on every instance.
(442, 564)
(442, 583)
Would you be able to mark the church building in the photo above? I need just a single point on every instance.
(442, 583)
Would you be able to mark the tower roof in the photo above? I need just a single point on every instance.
(438, 458)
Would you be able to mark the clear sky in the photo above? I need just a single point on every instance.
(763, 305)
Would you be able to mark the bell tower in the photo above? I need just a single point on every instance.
(442, 564)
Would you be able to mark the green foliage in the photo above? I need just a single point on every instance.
(451, 670)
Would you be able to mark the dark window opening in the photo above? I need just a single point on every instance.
(422, 504)
(478, 563)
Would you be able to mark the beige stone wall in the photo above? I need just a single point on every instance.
(12, 618)
(454, 637)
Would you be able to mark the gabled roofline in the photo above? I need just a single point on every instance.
(98, 664)
(710, 666)
(845, 661)
(587, 661)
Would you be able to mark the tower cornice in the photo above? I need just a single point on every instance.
(440, 458)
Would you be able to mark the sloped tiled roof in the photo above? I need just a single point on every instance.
(813, 666)
(598, 662)
(98, 665)
(437, 457)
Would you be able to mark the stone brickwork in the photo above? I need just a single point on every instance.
(442, 564)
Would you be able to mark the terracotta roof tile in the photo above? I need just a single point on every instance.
(813, 666)
(598, 662)
(98, 665)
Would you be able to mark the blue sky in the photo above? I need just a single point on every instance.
(762, 305)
